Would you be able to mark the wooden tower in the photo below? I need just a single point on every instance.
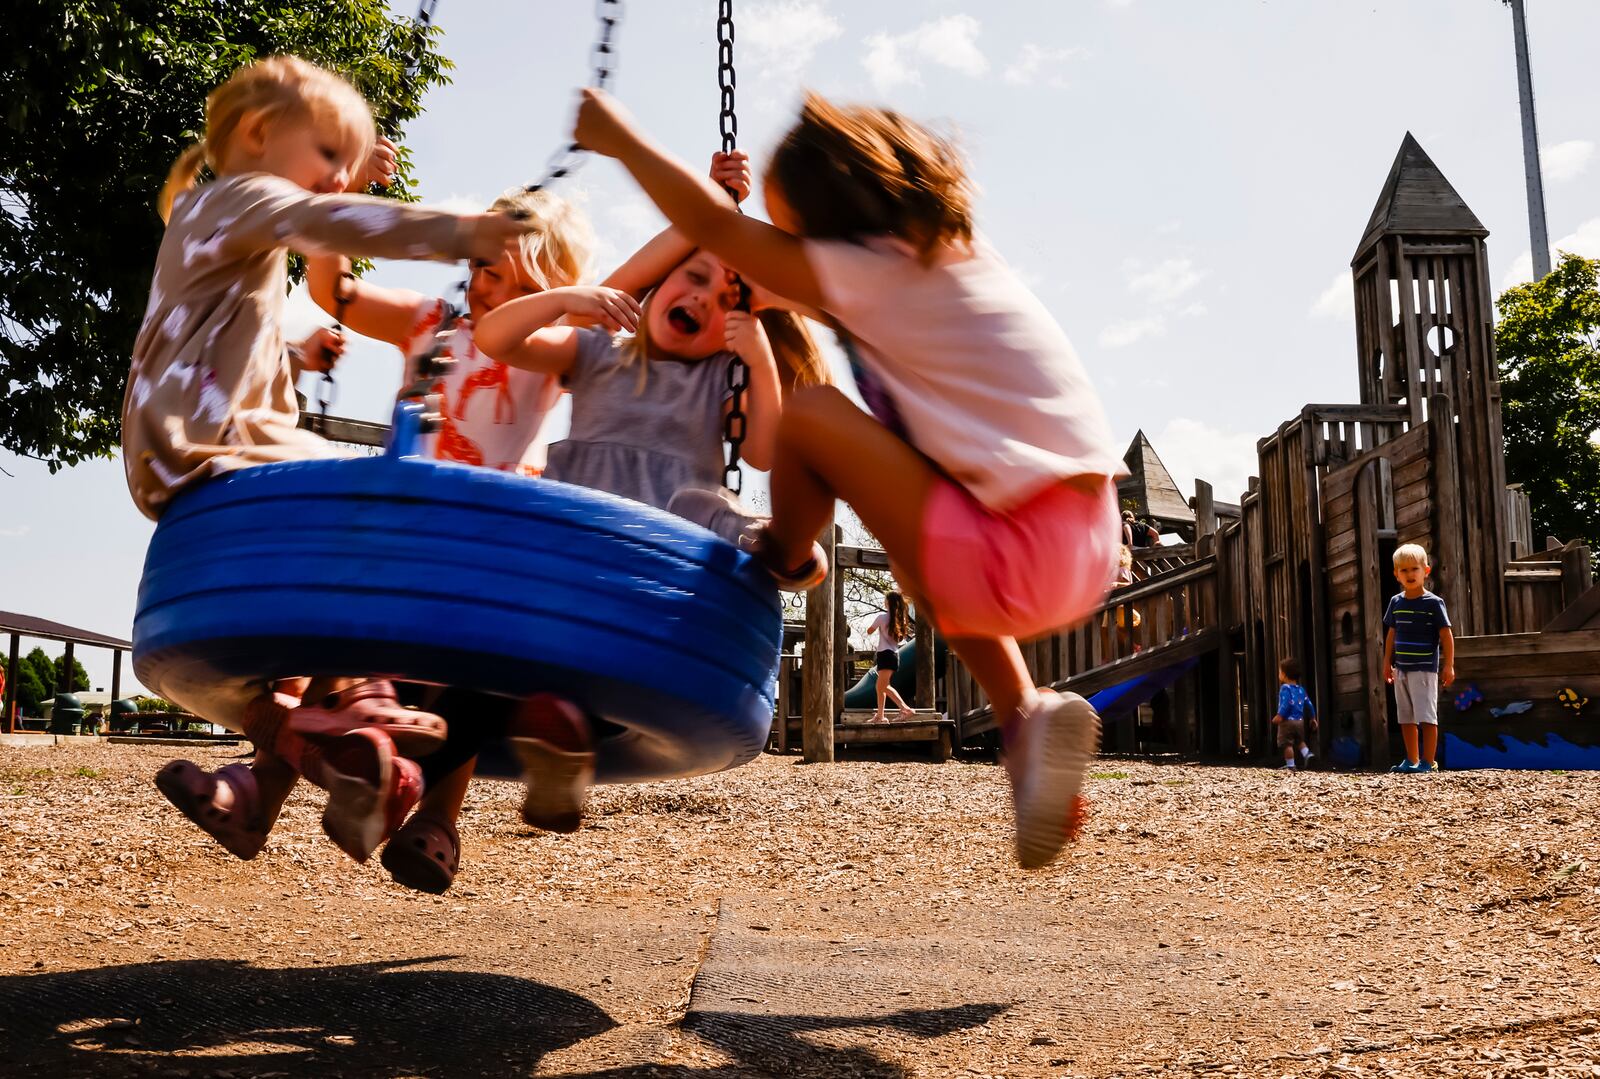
(1424, 327)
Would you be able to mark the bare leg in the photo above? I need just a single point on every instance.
(1408, 732)
(444, 797)
(899, 701)
(883, 689)
(1430, 742)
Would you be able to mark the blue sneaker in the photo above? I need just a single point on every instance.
(1407, 768)
(1428, 766)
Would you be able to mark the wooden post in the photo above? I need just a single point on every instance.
(926, 671)
(844, 666)
(1449, 546)
(816, 727)
(1577, 575)
(1370, 581)
(8, 721)
(116, 681)
(1205, 512)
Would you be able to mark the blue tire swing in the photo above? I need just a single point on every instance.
(435, 572)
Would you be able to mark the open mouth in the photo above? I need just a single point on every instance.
(680, 319)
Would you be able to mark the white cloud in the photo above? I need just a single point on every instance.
(949, 42)
(1584, 241)
(1123, 334)
(1164, 282)
(1338, 300)
(1192, 448)
(1566, 160)
(1035, 61)
(784, 35)
(1194, 310)
(15, 531)
(463, 204)
(301, 315)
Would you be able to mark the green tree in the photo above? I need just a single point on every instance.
(97, 98)
(39, 678)
(1548, 338)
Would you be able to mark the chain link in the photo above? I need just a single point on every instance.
(734, 422)
(570, 157)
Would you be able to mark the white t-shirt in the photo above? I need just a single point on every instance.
(886, 638)
(492, 412)
(968, 366)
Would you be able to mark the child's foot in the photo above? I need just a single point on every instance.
(224, 804)
(1288, 766)
(878, 717)
(718, 511)
(790, 578)
(370, 790)
(1048, 748)
(1306, 755)
(1407, 767)
(1428, 766)
(369, 705)
(550, 736)
(424, 854)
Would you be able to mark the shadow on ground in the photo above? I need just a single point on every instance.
(220, 1017)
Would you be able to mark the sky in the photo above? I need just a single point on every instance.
(1182, 184)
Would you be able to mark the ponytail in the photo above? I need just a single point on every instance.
(185, 171)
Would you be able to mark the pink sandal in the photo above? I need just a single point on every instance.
(550, 736)
(370, 705)
(424, 854)
(370, 790)
(193, 790)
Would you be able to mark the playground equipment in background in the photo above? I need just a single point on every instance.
(864, 694)
(441, 573)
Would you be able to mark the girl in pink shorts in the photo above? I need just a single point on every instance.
(992, 470)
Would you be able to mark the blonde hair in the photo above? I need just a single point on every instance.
(285, 87)
(799, 360)
(1125, 556)
(1411, 554)
(558, 252)
(853, 172)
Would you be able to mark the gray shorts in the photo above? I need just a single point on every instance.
(1416, 696)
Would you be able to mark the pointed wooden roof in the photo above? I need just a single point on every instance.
(1151, 487)
(1418, 201)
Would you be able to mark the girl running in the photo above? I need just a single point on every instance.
(891, 627)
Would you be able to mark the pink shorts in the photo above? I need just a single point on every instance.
(1040, 566)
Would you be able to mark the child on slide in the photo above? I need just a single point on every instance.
(211, 389)
(992, 486)
(492, 414)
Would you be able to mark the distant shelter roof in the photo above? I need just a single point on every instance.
(29, 626)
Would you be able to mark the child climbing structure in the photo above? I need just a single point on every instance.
(1301, 567)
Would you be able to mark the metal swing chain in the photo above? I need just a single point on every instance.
(734, 423)
(567, 160)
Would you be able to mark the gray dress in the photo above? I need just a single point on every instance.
(647, 444)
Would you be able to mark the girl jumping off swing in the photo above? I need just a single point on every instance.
(992, 486)
(211, 389)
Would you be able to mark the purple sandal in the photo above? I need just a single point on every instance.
(193, 790)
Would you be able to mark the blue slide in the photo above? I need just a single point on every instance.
(1125, 697)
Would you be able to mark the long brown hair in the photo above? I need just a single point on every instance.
(899, 618)
(277, 86)
(850, 172)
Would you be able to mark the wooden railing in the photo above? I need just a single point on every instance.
(1150, 561)
(1176, 616)
(1341, 433)
(1540, 586)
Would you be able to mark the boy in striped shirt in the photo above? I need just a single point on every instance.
(1418, 655)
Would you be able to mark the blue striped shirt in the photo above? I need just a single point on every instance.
(1416, 624)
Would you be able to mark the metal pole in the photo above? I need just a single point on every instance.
(1538, 234)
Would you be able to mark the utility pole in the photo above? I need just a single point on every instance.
(1538, 234)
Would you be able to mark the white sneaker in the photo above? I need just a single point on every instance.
(1306, 754)
(1054, 742)
(550, 737)
(718, 511)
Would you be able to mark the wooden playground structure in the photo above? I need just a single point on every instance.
(1300, 567)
